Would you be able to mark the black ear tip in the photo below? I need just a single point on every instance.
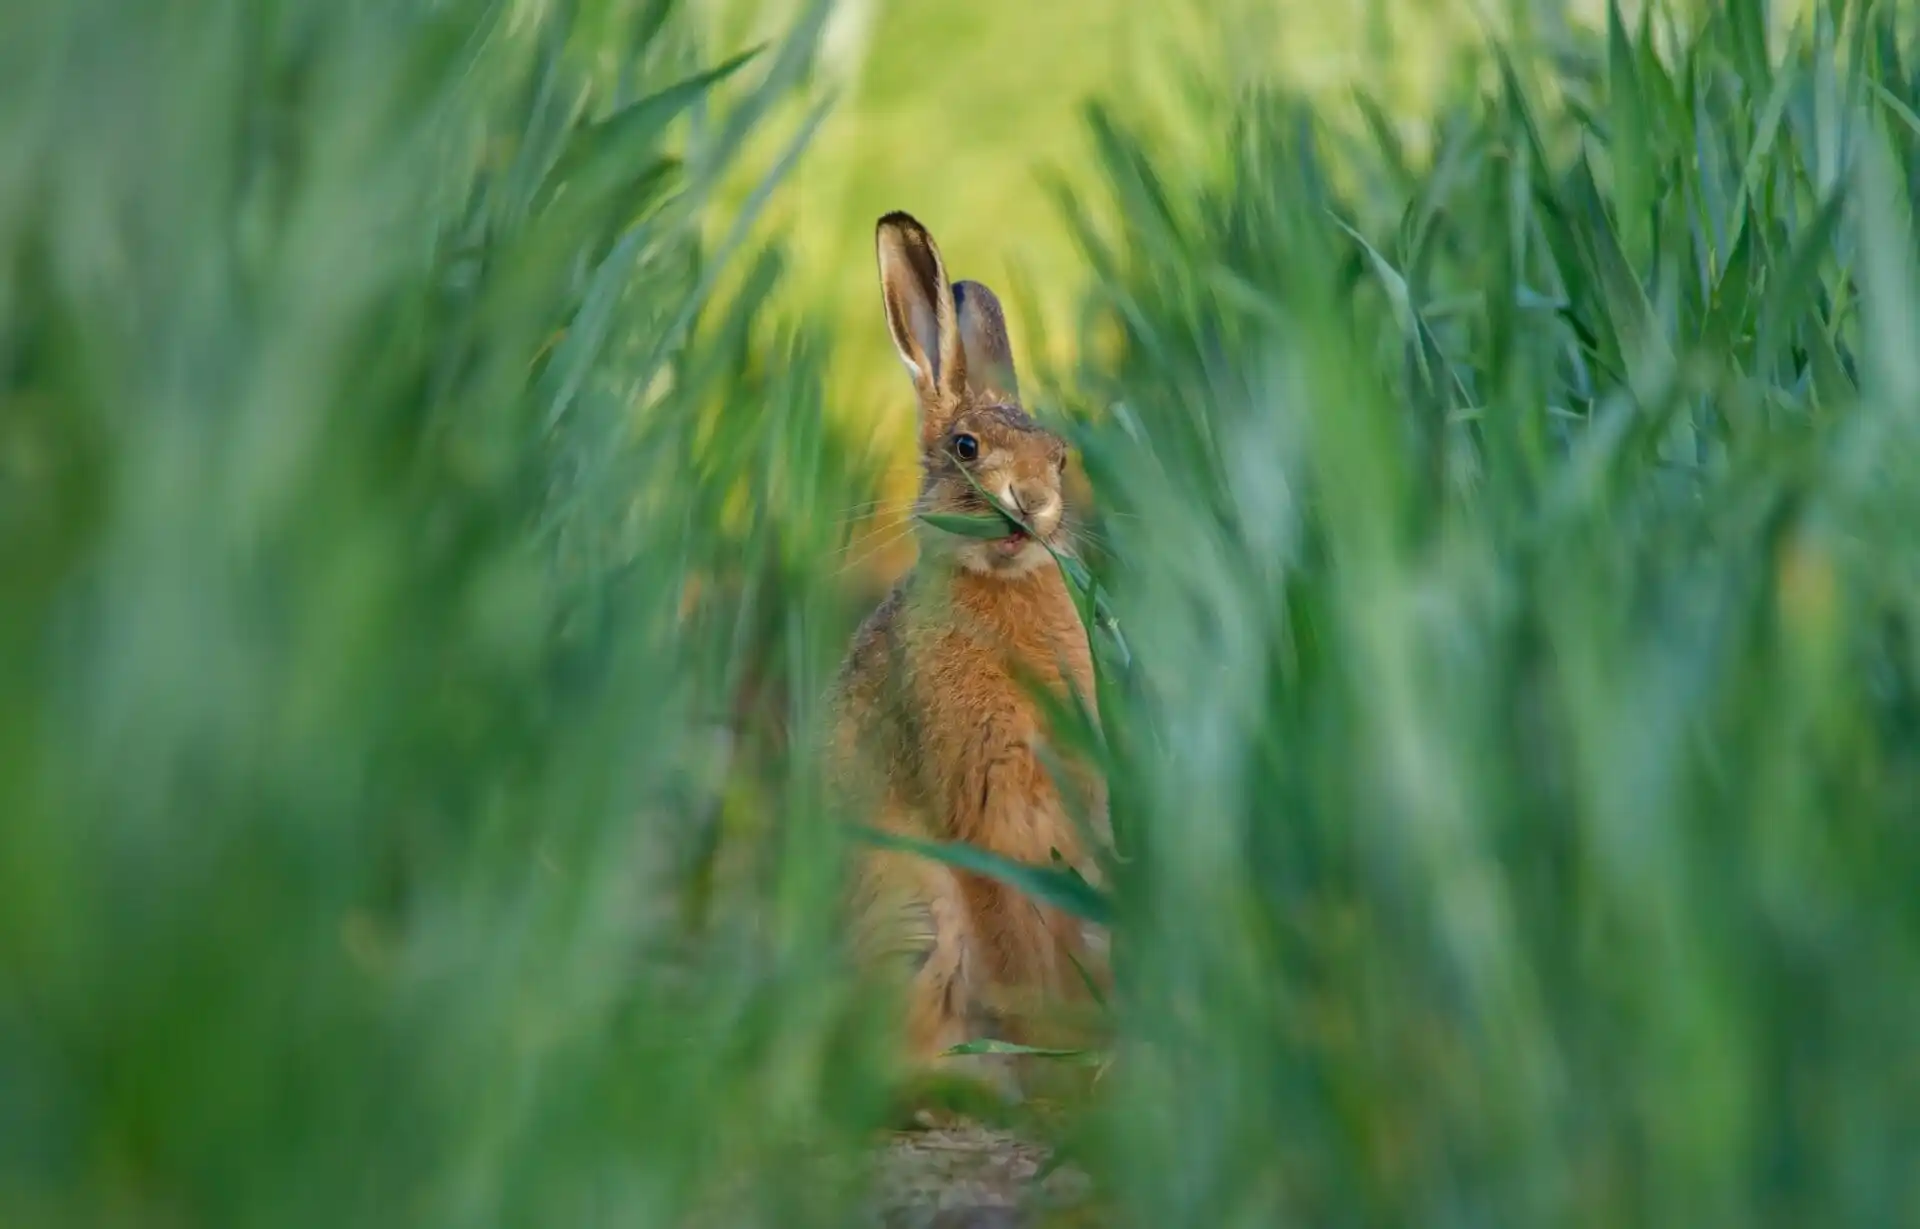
(965, 292)
(899, 220)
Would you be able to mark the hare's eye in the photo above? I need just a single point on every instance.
(966, 447)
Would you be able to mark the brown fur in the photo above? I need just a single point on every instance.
(934, 734)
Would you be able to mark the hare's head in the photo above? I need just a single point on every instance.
(974, 436)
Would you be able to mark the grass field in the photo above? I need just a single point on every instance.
(973, 117)
(425, 541)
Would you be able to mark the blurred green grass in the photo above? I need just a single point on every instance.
(973, 117)
(424, 532)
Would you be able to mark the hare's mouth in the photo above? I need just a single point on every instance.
(1010, 545)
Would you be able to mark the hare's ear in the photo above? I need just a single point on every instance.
(920, 314)
(983, 340)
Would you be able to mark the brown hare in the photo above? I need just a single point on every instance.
(936, 733)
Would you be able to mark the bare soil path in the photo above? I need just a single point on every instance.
(968, 1176)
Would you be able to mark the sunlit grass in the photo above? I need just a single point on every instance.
(967, 113)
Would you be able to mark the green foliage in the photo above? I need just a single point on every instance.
(996, 525)
(423, 553)
(1517, 557)
(1062, 888)
(364, 742)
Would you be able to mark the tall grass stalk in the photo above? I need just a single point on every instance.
(423, 555)
(1521, 754)
(372, 611)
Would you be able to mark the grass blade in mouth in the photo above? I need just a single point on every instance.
(994, 1046)
(990, 526)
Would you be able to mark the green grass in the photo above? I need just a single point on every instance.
(967, 114)
(424, 548)
(359, 761)
(1521, 766)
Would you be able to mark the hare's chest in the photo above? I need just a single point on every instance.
(983, 733)
(983, 674)
(961, 685)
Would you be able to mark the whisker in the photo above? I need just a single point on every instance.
(878, 507)
(885, 536)
(1078, 539)
(853, 566)
(1083, 532)
(886, 542)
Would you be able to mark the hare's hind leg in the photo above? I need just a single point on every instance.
(914, 926)
(915, 916)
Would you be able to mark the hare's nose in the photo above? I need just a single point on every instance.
(1034, 501)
